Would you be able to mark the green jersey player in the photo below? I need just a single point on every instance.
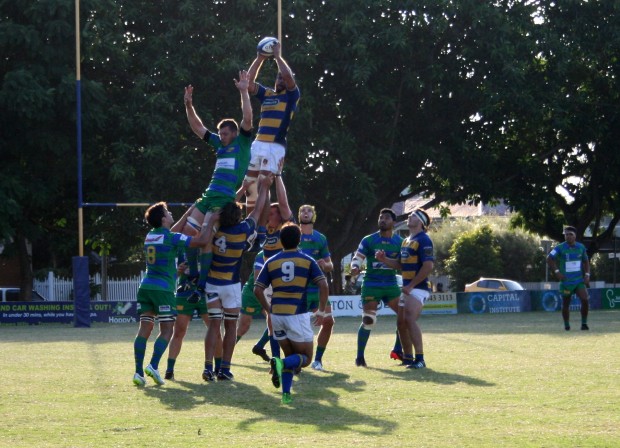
(156, 292)
(379, 284)
(314, 244)
(569, 261)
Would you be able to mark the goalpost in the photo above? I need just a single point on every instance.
(81, 285)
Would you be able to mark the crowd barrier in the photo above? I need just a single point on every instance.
(28, 313)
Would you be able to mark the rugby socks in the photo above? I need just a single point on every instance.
(170, 365)
(209, 365)
(319, 353)
(192, 261)
(419, 357)
(275, 347)
(139, 350)
(224, 366)
(362, 339)
(291, 363)
(205, 265)
(218, 364)
(159, 348)
(398, 348)
(407, 359)
(263, 339)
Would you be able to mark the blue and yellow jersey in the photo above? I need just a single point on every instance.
(231, 163)
(314, 245)
(160, 250)
(228, 246)
(277, 111)
(289, 274)
(272, 244)
(413, 253)
(378, 274)
(570, 261)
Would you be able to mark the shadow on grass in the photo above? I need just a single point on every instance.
(432, 376)
(316, 402)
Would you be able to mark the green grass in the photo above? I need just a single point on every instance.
(492, 380)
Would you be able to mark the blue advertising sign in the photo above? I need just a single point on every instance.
(494, 302)
(63, 312)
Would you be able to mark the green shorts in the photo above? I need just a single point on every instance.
(384, 295)
(212, 202)
(161, 303)
(312, 298)
(187, 309)
(250, 305)
(568, 290)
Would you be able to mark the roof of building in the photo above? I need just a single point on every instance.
(456, 211)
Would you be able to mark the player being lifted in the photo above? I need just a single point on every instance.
(232, 146)
(278, 106)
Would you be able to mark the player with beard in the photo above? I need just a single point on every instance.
(379, 284)
(314, 243)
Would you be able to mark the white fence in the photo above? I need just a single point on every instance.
(61, 289)
(123, 289)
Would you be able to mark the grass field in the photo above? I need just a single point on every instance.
(492, 380)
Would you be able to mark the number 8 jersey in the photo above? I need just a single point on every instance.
(160, 250)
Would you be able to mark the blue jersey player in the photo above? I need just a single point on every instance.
(289, 273)
(223, 286)
(416, 261)
(278, 106)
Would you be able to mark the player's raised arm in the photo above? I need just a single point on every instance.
(253, 72)
(283, 68)
(246, 107)
(194, 121)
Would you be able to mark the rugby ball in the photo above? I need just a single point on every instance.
(265, 46)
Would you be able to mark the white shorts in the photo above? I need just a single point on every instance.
(266, 156)
(419, 294)
(229, 295)
(296, 327)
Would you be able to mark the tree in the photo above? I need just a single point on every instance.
(544, 133)
(468, 100)
(474, 254)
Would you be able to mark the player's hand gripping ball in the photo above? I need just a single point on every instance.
(265, 46)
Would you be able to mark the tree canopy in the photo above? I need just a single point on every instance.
(470, 101)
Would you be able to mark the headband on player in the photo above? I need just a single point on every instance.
(422, 216)
(570, 229)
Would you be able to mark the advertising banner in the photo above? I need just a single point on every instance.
(494, 302)
(351, 306)
(610, 298)
(551, 300)
(63, 312)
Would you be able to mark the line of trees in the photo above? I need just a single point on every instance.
(471, 101)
